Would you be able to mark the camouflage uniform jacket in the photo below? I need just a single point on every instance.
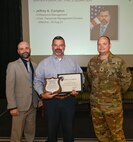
(109, 79)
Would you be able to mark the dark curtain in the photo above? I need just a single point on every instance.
(10, 35)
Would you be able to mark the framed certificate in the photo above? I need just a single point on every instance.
(69, 82)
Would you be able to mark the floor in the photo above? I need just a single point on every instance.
(83, 125)
(43, 139)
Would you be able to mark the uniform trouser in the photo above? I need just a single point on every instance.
(60, 111)
(108, 125)
(24, 123)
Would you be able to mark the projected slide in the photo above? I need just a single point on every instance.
(80, 22)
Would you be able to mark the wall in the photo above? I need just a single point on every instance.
(83, 60)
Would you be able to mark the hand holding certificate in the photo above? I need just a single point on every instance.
(64, 83)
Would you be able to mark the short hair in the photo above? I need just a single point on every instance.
(58, 38)
(105, 37)
(104, 9)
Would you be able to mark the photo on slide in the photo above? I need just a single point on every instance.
(104, 21)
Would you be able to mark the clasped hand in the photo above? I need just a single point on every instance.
(50, 95)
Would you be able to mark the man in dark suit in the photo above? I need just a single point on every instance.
(21, 97)
(107, 26)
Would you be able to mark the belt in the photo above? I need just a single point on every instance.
(61, 96)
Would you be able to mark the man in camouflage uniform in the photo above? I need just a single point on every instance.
(109, 78)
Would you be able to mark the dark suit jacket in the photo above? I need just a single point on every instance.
(19, 88)
(111, 32)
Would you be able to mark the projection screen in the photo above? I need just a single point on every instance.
(74, 20)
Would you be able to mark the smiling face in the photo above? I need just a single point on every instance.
(58, 47)
(24, 50)
(103, 45)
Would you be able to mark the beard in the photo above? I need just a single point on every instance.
(104, 21)
(25, 55)
(58, 52)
